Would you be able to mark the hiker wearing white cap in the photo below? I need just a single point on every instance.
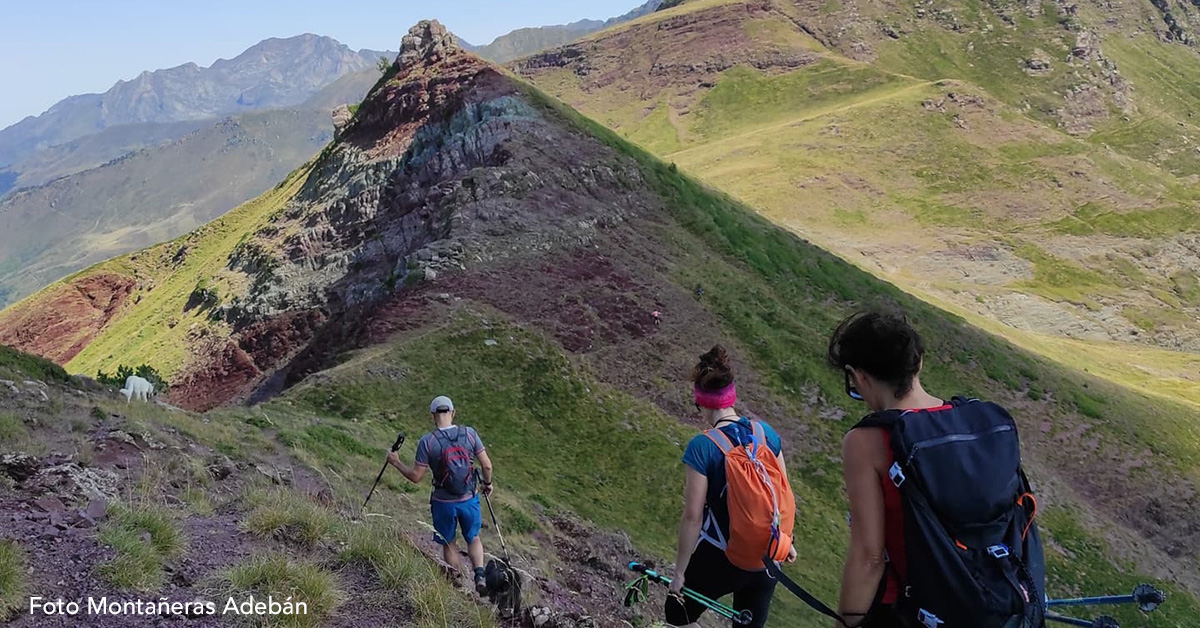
(450, 451)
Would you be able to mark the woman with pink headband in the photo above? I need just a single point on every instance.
(700, 562)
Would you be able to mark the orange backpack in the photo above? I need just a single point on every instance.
(762, 508)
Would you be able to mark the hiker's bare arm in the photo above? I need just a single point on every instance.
(863, 454)
(485, 466)
(695, 491)
(415, 473)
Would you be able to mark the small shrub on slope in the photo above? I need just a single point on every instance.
(12, 579)
(280, 577)
(143, 538)
(289, 516)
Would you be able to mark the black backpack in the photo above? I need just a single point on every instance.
(974, 555)
(454, 470)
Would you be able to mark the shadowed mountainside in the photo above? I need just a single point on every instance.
(1035, 164)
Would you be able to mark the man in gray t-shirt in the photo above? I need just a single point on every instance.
(450, 452)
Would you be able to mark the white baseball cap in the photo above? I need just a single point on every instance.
(441, 404)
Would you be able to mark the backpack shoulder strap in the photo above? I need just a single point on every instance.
(886, 419)
(806, 597)
(720, 439)
(760, 434)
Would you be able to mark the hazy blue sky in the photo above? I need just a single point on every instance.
(50, 49)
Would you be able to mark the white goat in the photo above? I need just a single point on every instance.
(137, 387)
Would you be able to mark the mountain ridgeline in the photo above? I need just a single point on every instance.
(271, 74)
(525, 41)
(466, 234)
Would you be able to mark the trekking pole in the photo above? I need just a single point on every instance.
(514, 576)
(495, 523)
(395, 447)
(741, 618)
(1103, 621)
(1145, 596)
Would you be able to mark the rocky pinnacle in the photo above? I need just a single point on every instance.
(426, 42)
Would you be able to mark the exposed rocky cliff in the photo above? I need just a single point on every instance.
(448, 165)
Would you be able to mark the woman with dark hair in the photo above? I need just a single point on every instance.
(701, 562)
(881, 355)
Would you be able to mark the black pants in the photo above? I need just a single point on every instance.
(712, 575)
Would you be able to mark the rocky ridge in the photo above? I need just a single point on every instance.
(448, 165)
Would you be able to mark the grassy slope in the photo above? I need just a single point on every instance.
(525, 394)
(169, 503)
(798, 293)
(855, 173)
(1167, 80)
(807, 149)
(144, 334)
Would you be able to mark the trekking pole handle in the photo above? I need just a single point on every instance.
(395, 447)
(649, 573)
(742, 618)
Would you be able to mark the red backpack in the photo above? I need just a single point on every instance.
(762, 508)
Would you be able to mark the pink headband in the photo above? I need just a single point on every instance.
(716, 399)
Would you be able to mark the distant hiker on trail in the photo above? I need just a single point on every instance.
(450, 451)
(699, 291)
(942, 517)
(719, 554)
(657, 316)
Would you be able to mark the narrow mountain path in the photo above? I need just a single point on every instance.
(813, 115)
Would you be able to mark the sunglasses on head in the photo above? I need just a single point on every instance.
(851, 391)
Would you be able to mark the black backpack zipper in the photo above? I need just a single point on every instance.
(952, 438)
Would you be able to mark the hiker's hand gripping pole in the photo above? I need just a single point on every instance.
(741, 618)
(395, 447)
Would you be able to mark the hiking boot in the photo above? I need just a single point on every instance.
(481, 586)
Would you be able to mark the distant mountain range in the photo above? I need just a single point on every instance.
(525, 41)
(148, 176)
(271, 74)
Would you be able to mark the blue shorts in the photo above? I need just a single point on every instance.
(448, 516)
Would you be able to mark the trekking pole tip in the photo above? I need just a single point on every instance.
(1148, 597)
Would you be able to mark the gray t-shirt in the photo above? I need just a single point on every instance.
(431, 446)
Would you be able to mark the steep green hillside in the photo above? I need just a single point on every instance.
(554, 238)
(615, 459)
(1030, 164)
